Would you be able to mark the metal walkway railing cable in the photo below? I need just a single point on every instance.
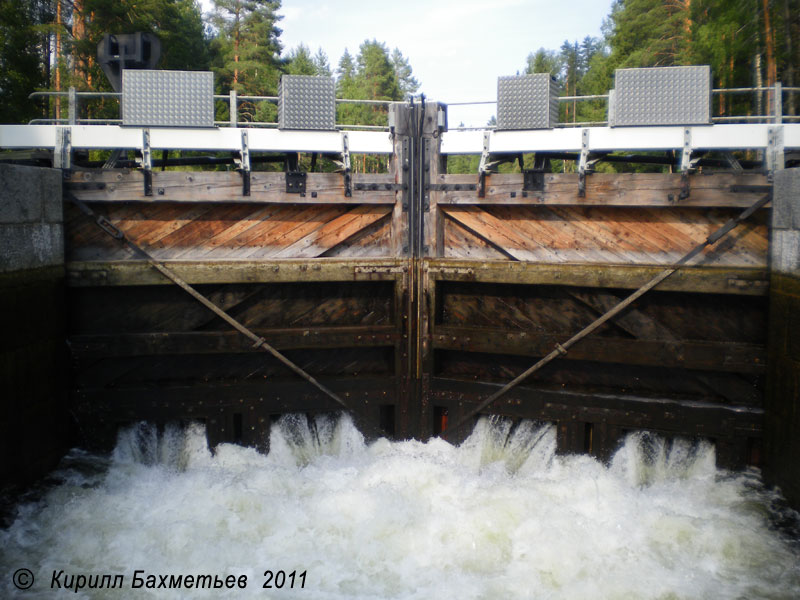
(258, 342)
(561, 349)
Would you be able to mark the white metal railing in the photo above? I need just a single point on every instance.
(233, 100)
(775, 114)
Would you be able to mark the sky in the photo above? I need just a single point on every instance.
(457, 48)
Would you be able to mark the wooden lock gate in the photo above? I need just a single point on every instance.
(413, 296)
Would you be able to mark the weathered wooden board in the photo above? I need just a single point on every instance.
(714, 190)
(711, 356)
(154, 309)
(115, 185)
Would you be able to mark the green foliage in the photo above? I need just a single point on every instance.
(177, 23)
(403, 74)
(373, 74)
(246, 50)
(321, 64)
(20, 67)
(300, 62)
(543, 61)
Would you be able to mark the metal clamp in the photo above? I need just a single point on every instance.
(296, 182)
(243, 163)
(109, 227)
(686, 163)
(775, 159)
(484, 166)
(346, 169)
(62, 157)
(146, 162)
(532, 180)
(586, 163)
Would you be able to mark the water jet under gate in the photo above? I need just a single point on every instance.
(500, 516)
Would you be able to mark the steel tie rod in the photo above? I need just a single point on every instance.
(258, 342)
(561, 349)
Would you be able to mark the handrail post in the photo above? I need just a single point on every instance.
(778, 104)
(234, 109)
(72, 114)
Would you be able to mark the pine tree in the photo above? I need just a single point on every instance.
(300, 62)
(246, 47)
(376, 75)
(403, 73)
(543, 61)
(321, 64)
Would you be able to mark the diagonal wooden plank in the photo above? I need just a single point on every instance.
(237, 231)
(461, 243)
(373, 241)
(290, 228)
(334, 232)
(498, 234)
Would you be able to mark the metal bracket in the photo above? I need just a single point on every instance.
(348, 178)
(686, 163)
(453, 187)
(296, 182)
(62, 156)
(532, 181)
(586, 163)
(484, 165)
(426, 177)
(405, 164)
(146, 163)
(243, 163)
(380, 187)
(775, 157)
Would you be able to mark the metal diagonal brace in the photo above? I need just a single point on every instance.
(258, 342)
(561, 349)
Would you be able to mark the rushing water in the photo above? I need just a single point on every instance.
(499, 517)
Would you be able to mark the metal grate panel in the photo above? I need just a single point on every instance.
(527, 102)
(306, 102)
(167, 98)
(661, 96)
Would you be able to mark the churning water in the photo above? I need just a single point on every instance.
(500, 517)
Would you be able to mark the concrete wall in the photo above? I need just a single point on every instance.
(34, 421)
(782, 402)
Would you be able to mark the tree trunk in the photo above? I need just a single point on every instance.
(58, 57)
(78, 35)
(787, 19)
(236, 37)
(758, 80)
(772, 73)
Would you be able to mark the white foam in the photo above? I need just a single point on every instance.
(501, 516)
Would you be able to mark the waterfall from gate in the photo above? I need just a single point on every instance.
(501, 516)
